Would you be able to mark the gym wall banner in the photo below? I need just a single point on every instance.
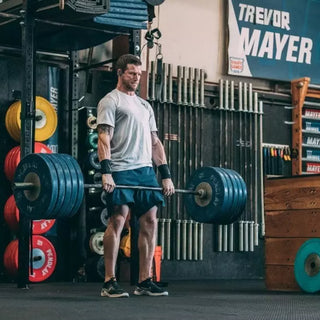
(274, 39)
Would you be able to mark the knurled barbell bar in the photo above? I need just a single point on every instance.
(48, 186)
(34, 185)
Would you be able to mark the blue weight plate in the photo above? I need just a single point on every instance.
(79, 178)
(33, 168)
(244, 189)
(80, 183)
(65, 207)
(73, 182)
(239, 189)
(61, 182)
(307, 266)
(227, 195)
(217, 204)
(236, 196)
(225, 217)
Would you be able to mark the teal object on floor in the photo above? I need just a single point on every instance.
(307, 266)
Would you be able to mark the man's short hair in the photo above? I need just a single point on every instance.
(124, 60)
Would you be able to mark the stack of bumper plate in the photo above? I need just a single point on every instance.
(44, 259)
(80, 25)
(130, 14)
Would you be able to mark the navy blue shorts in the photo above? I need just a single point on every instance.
(139, 201)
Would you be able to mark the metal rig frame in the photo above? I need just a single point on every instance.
(28, 127)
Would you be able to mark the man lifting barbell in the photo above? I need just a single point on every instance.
(128, 146)
(51, 186)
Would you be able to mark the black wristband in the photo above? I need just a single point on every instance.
(105, 166)
(164, 171)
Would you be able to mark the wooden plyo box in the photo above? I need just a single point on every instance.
(299, 192)
(292, 216)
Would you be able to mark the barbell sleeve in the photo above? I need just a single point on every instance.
(168, 238)
(200, 241)
(23, 185)
(184, 239)
(195, 240)
(162, 230)
(190, 238)
(178, 239)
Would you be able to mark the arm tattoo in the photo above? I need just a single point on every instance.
(104, 128)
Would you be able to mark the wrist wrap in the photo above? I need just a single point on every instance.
(164, 171)
(105, 166)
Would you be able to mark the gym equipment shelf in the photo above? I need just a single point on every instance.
(306, 127)
(61, 26)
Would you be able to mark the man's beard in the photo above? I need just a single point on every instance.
(130, 87)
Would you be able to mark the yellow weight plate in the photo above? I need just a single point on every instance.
(46, 119)
(11, 123)
(45, 123)
(7, 120)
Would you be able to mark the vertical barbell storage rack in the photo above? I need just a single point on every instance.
(27, 128)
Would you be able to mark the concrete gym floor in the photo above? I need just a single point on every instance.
(213, 299)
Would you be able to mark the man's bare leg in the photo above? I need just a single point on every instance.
(111, 239)
(146, 244)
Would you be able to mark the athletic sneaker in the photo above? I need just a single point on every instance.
(112, 289)
(149, 288)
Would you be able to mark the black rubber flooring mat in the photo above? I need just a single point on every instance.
(210, 299)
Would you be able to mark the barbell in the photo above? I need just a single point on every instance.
(50, 186)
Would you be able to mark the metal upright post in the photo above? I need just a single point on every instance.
(74, 98)
(134, 47)
(27, 130)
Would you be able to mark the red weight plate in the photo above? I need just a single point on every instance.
(43, 254)
(8, 163)
(8, 258)
(41, 148)
(44, 259)
(38, 148)
(11, 214)
(15, 159)
(42, 226)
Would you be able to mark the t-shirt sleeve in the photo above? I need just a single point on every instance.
(106, 111)
(152, 120)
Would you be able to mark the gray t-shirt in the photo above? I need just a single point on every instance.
(133, 120)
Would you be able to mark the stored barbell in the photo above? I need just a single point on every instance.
(49, 186)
